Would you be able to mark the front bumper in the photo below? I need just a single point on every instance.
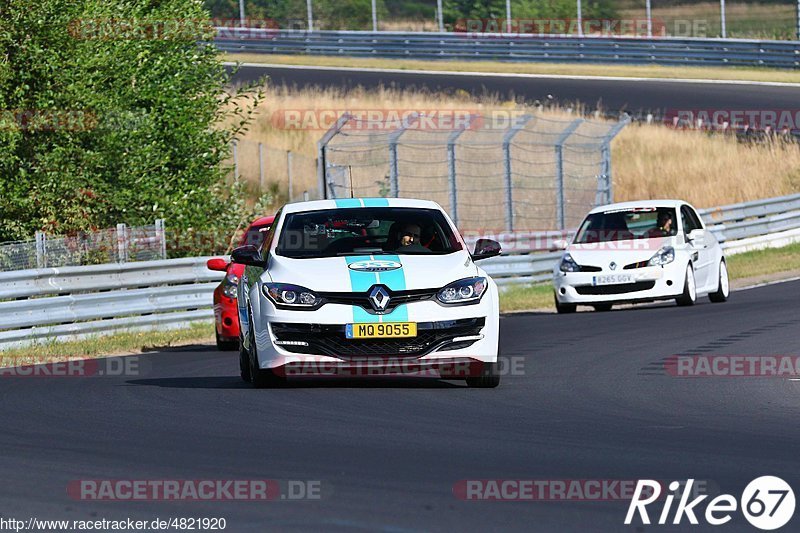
(649, 284)
(444, 335)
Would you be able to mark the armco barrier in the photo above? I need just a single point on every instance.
(70, 302)
(36, 305)
(516, 47)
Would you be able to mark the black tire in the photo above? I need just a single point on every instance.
(562, 309)
(722, 293)
(244, 362)
(226, 346)
(689, 296)
(603, 307)
(261, 378)
(488, 379)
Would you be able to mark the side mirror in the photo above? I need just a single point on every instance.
(485, 248)
(560, 244)
(698, 235)
(248, 255)
(218, 264)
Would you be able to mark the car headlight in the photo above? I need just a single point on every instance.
(664, 256)
(568, 264)
(291, 296)
(229, 290)
(229, 285)
(463, 291)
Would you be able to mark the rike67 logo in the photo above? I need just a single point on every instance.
(767, 503)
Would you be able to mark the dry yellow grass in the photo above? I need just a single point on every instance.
(706, 170)
(649, 161)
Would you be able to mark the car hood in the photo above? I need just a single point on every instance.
(620, 252)
(341, 274)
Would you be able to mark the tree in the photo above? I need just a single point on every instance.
(112, 112)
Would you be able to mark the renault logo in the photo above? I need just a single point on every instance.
(379, 298)
(612, 266)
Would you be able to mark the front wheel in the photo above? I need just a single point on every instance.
(261, 378)
(723, 287)
(226, 346)
(244, 362)
(489, 377)
(563, 308)
(689, 296)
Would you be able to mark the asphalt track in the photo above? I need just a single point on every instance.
(591, 400)
(634, 96)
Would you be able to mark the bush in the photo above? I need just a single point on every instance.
(102, 124)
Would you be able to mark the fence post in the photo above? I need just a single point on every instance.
(161, 235)
(605, 177)
(322, 149)
(723, 29)
(451, 168)
(261, 167)
(41, 249)
(290, 171)
(310, 12)
(560, 196)
(394, 138)
(508, 181)
(122, 243)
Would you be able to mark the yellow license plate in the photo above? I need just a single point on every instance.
(381, 330)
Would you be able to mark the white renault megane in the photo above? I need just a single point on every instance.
(639, 252)
(381, 284)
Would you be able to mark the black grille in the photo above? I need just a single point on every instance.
(330, 339)
(601, 290)
(589, 268)
(361, 299)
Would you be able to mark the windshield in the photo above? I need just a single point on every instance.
(625, 224)
(366, 231)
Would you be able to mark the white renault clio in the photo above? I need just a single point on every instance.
(640, 252)
(381, 284)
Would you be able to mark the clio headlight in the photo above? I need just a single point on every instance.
(568, 264)
(664, 256)
(463, 291)
(291, 296)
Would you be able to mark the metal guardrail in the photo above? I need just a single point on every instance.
(69, 302)
(72, 302)
(518, 47)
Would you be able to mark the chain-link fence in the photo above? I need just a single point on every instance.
(740, 19)
(494, 173)
(288, 175)
(121, 244)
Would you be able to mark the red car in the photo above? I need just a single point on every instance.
(225, 313)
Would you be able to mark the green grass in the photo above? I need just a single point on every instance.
(634, 71)
(763, 263)
(114, 344)
(752, 267)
